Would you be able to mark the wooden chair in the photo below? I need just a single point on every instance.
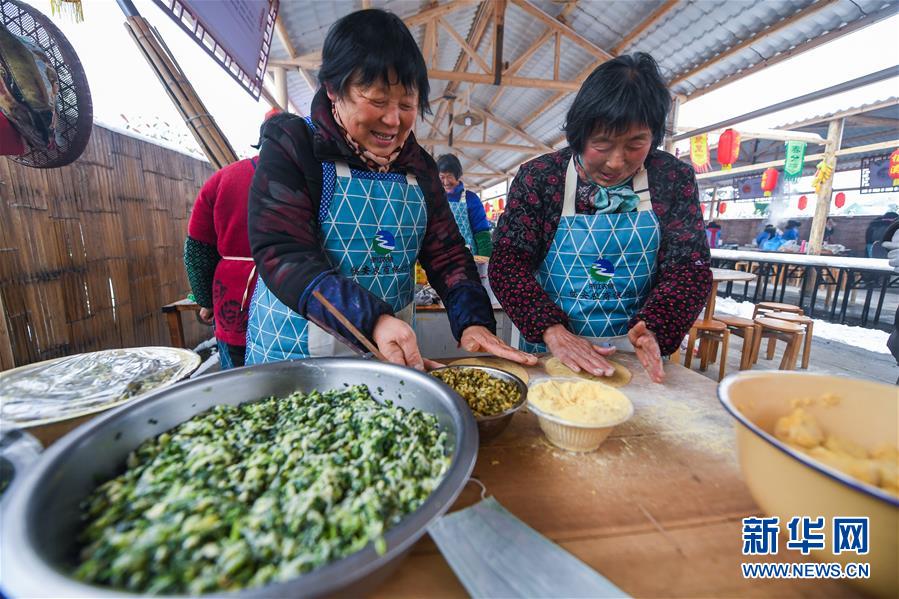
(805, 322)
(708, 331)
(762, 307)
(774, 329)
(741, 327)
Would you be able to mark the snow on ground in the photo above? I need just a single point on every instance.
(868, 339)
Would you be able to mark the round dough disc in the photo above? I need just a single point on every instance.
(620, 378)
(500, 363)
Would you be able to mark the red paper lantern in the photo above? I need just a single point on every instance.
(894, 167)
(839, 200)
(769, 181)
(803, 202)
(728, 149)
(722, 207)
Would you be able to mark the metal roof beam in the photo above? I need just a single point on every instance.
(475, 35)
(648, 22)
(472, 53)
(765, 33)
(527, 54)
(476, 145)
(511, 128)
(284, 37)
(861, 23)
(562, 28)
(435, 127)
(770, 135)
(874, 121)
(436, 12)
(849, 112)
(752, 168)
(486, 79)
(887, 73)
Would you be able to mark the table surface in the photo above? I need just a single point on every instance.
(878, 264)
(657, 509)
(727, 274)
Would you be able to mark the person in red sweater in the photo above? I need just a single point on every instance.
(217, 254)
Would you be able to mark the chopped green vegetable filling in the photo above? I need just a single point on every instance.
(262, 492)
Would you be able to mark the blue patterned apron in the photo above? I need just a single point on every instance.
(460, 213)
(600, 267)
(372, 226)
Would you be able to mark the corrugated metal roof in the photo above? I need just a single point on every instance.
(696, 42)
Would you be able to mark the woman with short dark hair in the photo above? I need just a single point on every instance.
(602, 243)
(343, 203)
(466, 206)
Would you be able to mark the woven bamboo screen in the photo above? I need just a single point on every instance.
(89, 253)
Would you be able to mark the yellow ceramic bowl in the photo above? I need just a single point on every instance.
(787, 483)
(573, 436)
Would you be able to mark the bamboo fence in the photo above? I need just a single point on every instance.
(89, 253)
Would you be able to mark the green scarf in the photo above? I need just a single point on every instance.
(609, 200)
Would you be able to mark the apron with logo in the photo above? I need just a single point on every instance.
(372, 226)
(460, 213)
(600, 267)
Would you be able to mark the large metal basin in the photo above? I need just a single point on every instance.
(41, 516)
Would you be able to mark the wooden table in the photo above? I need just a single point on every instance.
(657, 509)
(173, 319)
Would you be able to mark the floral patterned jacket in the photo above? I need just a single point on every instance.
(526, 229)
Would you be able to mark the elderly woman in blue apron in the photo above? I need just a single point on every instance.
(602, 244)
(343, 202)
(466, 206)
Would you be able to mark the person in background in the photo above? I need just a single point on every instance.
(345, 200)
(602, 243)
(217, 256)
(891, 244)
(768, 233)
(829, 229)
(876, 229)
(469, 215)
(791, 232)
(713, 234)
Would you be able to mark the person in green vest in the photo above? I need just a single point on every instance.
(466, 206)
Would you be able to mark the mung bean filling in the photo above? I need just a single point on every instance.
(486, 395)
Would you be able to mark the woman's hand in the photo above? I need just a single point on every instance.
(396, 340)
(647, 348)
(577, 353)
(206, 315)
(480, 339)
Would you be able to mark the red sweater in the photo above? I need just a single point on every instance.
(219, 218)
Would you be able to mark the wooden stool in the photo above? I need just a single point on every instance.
(741, 327)
(772, 328)
(804, 321)
(775, 307)
(710, 331)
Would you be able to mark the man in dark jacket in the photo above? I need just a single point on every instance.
(877, 229)
(891, 243)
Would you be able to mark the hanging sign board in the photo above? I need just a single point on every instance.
(236, 33)
(875, 174)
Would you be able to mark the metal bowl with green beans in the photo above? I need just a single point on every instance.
(493, 395)
(255, 481)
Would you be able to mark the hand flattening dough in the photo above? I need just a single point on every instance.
(621, 377)
(500, 363)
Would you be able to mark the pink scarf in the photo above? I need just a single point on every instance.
(376, 163)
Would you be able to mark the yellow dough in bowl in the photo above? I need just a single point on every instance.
(620, 378)
(581, 402)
